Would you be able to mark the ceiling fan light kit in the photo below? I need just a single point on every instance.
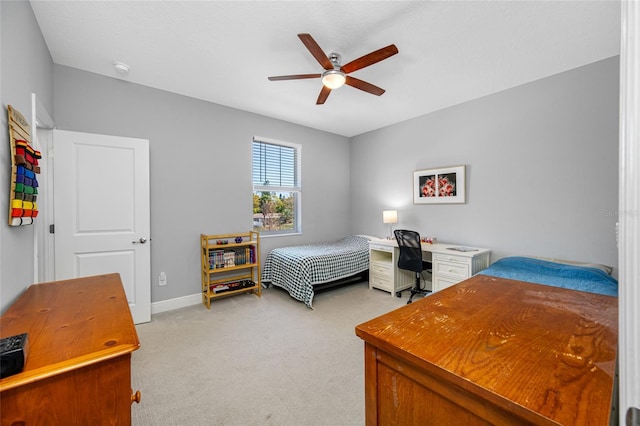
(333, 79)
(336, 75)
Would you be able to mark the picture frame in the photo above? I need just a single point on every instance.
(444, 185)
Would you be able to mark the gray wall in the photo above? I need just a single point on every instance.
(542, 169)
(26, 67)
(200, 156)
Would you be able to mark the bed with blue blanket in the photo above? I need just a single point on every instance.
(591, 278)
(298, 269)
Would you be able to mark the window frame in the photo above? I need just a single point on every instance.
(296, 189)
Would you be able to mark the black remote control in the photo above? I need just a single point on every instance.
(13, 354)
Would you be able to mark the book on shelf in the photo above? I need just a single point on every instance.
(221, 258)
(231, 285)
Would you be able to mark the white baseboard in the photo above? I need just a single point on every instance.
(177, 303)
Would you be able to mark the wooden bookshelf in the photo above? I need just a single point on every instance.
(230, 265)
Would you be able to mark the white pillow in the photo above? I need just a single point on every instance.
(606, 269)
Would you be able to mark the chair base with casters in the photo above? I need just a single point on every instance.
(418, 289)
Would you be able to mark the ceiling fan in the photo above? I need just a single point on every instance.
(335, 75)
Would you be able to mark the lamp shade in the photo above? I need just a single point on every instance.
(390, 216)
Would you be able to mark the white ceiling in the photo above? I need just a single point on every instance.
(223, 51)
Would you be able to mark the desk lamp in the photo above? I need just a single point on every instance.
(390, 217)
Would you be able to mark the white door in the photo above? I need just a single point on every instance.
(101, 212)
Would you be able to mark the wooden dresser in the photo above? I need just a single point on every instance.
(493, 351)
(78, 369)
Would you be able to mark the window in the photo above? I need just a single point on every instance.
(276, 187)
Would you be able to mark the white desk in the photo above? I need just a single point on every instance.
(449, 266)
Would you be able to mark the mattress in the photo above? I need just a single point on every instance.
(571, 276)
(298, 268)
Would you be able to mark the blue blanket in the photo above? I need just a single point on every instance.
(532, 270)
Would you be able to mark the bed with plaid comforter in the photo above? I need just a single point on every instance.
(298, 268)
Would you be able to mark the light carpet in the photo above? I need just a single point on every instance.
(257, 361)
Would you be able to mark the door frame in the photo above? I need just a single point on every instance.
(629, 213)
(43, 242)
(42, 126)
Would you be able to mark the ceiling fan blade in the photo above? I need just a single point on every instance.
(363, 85)
(294, 77)
(369, 59)
(316, 51)
(324, 94)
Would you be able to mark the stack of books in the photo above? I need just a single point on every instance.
(232, 285)
(221, 258)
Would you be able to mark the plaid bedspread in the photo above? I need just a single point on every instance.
(298, 268)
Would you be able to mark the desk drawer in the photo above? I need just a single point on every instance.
(442, 282)
(381, 269)
(451, 265)
(381, 282)
(380, 247)
(451, 258)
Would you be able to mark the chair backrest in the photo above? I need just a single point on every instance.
(410, 250)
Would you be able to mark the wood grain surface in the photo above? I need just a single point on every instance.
(508, 352)
(78, 368)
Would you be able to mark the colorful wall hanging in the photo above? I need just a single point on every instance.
(23, 207)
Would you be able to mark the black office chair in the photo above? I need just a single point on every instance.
(411, 258)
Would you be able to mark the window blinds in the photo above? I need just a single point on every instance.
(274, 165)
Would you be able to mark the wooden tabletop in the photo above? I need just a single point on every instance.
(551, 351)
(71, 324)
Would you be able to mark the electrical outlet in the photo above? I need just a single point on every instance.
(162, 279)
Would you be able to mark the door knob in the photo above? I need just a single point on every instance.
(142, 240)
